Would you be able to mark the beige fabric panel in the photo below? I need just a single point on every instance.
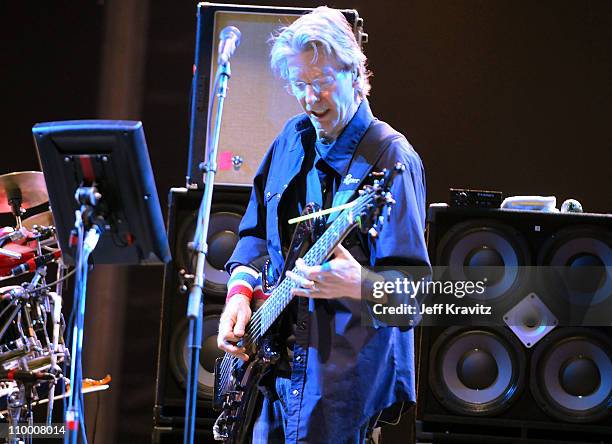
(257, 105)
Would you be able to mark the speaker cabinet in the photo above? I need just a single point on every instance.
(531, 377)
(257, 105)
(174, 435)
(228, 206)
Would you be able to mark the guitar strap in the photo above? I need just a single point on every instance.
(371, 147)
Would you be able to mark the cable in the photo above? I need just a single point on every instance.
(66, 276)
(95, 426)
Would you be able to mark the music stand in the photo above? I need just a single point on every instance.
(105, 204)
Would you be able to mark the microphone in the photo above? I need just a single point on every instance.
(11, 237)
(25, 376)
(229, 40)
(36, 262)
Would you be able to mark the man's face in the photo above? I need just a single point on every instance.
(325, 92)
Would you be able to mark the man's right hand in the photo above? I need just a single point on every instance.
(235, 317)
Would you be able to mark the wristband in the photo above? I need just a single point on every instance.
(243, 281)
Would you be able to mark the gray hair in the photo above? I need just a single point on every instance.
(324, 29)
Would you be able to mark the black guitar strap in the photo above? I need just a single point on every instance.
(374, 143)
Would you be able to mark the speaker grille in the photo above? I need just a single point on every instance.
(476, 371)
(497, 251)
(571, 374)
(179, 353)
(228, 205)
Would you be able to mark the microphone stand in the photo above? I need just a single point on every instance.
(87, 233)
(195, 306)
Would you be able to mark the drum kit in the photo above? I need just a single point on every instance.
(33, 351)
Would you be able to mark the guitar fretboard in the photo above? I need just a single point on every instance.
(281, 296)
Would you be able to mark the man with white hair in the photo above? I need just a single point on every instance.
(339, 373)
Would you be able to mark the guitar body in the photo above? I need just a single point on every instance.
(237, 398)
(240, 399)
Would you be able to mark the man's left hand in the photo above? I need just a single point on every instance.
(337, 278)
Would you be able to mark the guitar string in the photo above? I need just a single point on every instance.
(330, 236)
(257, 327)
(259, 324)
(321, 246)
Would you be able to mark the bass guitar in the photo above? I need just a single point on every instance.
(236, 381)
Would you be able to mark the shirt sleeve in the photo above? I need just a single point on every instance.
(402, 239)
(400, 246)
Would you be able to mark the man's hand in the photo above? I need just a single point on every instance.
(232, 325)
(339, 277)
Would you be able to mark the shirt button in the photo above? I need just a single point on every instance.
(268, 194)
(295, 392)
(298, 358)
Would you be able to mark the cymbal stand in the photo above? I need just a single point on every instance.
(15, 199)
(18, 305)
(14, 404)
(17, 401)
(55, 369)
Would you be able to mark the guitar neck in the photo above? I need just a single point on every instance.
(281, 296)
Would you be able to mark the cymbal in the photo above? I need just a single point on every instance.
(30, 184)
(41, 219)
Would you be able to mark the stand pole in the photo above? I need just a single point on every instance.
(195, 306)
(87, 241)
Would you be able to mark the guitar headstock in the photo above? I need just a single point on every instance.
(377, 210)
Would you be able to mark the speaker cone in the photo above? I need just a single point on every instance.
(476, 371)
(222, 238)
(179, 353)
(571, 375)
(486, 250)
(580, 261)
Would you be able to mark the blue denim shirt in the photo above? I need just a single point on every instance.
(343, 373)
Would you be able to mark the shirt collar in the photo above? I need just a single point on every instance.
(339, 156)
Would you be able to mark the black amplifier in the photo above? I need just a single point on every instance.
(475, 198)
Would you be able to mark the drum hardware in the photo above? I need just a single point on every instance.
(9, 253)
(21, 191)
(31, 324)
(44, 219)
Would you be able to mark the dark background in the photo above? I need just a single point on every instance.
(509, 95)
